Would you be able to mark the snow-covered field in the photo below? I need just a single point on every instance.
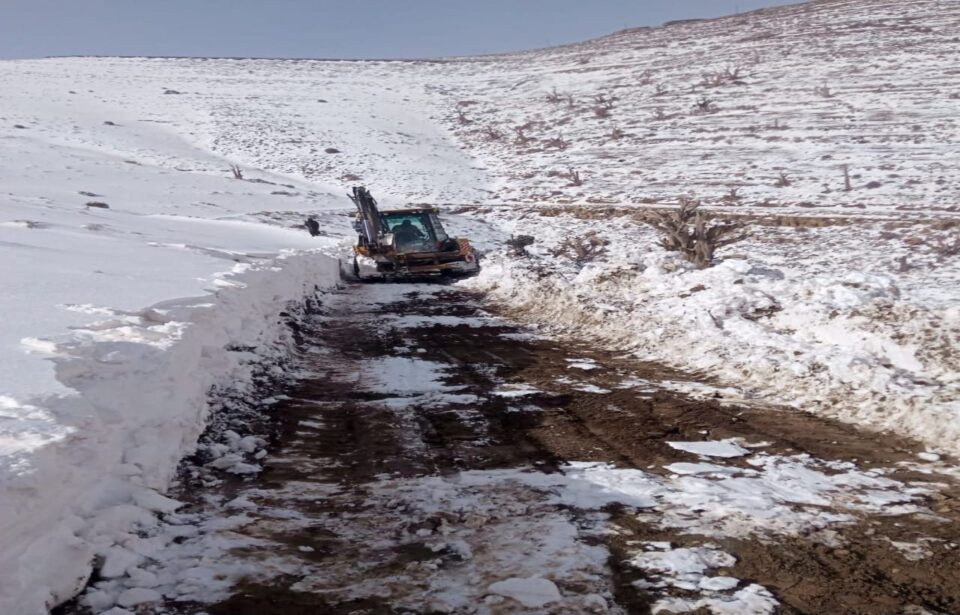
(119, 319)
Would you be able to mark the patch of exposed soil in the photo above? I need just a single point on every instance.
(408, 495)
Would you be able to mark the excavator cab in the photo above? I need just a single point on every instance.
(406, 243)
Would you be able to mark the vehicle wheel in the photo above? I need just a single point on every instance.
(356, 268)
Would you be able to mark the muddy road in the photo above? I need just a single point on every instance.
(434, 458)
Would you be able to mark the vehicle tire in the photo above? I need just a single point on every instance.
(356, 268)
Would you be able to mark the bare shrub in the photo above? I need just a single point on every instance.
(776, 125)
(462, 118)
(616, 134)
(705, 105)
(729, 75)
(603, 106)
(732, 195)
(558, 142)
(574, 176)
(492, 133)
(603, 101)
(686, 230)
(554, 96)
(823, 91)
(712, 80)
(582, 250)
(521, 136)
(847, 186)
(518, 244)
(946, 247)
(236, 171)
(783, 181)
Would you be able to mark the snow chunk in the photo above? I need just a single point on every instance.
(138, 595)
(751, 600)
(700, 468)
(117, 561)
(531, 592)
(515, 390)
(151, 500)
(683, 562)
(722, 448)
(718, 584)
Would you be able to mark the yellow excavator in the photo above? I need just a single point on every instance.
(406, 243)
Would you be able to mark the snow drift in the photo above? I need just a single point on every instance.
(141, 385)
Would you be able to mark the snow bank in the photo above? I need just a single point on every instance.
(80, 468)
(867, 344)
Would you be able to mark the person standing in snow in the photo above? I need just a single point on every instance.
(312, 226)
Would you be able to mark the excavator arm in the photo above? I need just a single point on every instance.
(370, 222)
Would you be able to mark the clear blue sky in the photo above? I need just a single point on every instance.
(327, 28)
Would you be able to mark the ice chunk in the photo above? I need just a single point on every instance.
(721, 448)
(701, 468)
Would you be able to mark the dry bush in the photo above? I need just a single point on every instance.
(554, 96)
(582, 250)
(733, 195)
(729, 75)
(783, 181)
(521, 136)
(518, 244)
(616, 134)
(847, 186)
(462, 118)
(603, 101)
(686, 230)
(492, 133)
(946, 247)
(574, 176)
(601, 113)
(237, 172)
(705, 105)
(558, 142)
(823, 91)
(776, 125)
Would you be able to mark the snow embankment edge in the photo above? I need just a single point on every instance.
(141, 385)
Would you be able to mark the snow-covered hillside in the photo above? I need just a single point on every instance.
(758, 112)
(135, 266)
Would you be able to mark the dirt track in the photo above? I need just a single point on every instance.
(413, 495)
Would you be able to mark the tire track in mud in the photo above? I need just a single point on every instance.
(440, 460)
